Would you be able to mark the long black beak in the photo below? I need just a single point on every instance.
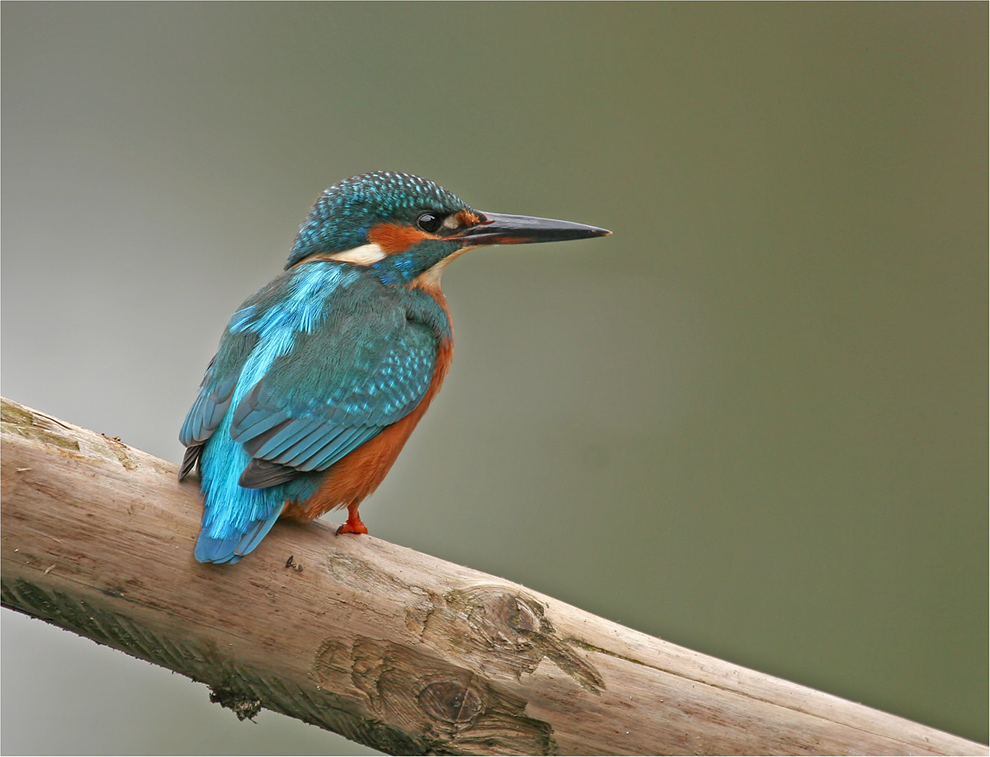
(498, 228)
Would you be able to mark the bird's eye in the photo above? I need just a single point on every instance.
(429, 222)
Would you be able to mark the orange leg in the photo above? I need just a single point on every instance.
(353, 524)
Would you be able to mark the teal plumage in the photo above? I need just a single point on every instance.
(345, 345)
(316, 363)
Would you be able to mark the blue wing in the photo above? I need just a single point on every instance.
(333, 392)
(310, 368)
(205, 415)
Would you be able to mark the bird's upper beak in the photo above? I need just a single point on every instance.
(499, 228)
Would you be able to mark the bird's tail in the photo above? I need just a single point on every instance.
(230, 550)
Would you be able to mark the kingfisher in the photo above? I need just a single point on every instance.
(322, 374)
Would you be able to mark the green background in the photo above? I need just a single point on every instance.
(752, 422)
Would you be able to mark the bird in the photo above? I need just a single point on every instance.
(321, 375)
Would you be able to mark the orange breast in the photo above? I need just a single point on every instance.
(358, 474)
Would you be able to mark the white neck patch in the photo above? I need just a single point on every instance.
(366, 254)
(431, 277)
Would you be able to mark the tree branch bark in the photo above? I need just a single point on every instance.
(391, 648)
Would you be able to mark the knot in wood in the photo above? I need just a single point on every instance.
(508, 619)
(521, 618)
(451, 702)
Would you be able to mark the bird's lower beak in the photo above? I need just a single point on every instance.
(499, 228)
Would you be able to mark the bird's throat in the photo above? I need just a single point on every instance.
(430, 278)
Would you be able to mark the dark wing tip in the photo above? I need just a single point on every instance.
(190, 460)
(260, 474)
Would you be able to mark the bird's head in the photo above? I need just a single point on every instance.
(406, 226)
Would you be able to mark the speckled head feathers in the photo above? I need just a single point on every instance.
(344, 213)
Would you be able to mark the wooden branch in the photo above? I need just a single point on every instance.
(391, 648)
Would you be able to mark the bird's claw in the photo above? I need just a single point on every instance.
(353, 525)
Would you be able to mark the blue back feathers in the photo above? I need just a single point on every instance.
(312, 366)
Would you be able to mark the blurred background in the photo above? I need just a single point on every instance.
(752, 422)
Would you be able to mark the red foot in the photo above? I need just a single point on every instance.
(353, 524)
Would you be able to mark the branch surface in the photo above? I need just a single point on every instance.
(389, 647)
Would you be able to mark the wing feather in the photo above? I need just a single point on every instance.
(334, 382)
(337, 388)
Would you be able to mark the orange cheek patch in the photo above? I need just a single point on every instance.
(393, 238)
